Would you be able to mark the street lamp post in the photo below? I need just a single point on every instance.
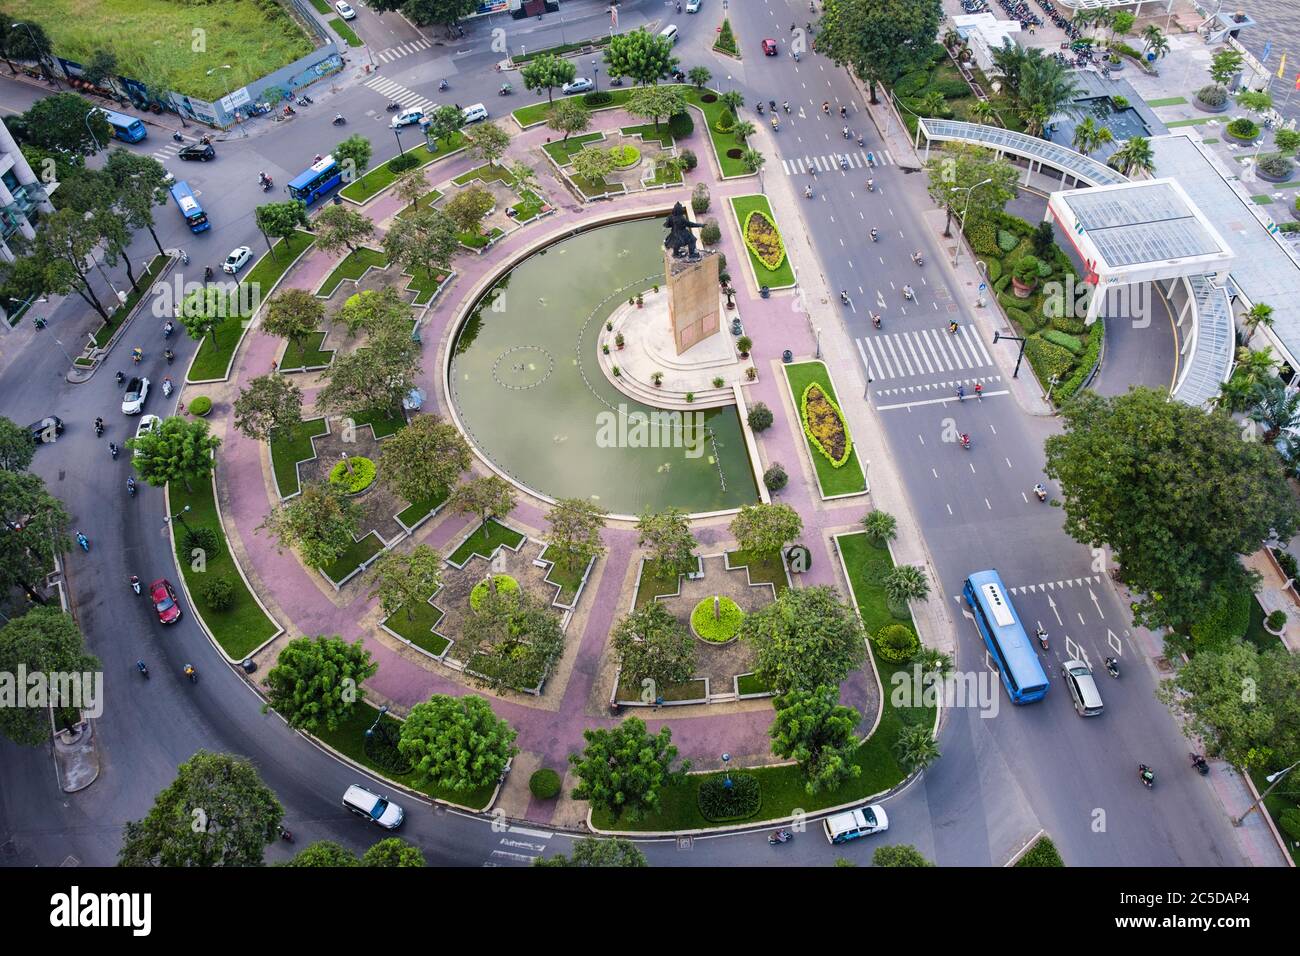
(40, 57)
(965, 209)
(397, 134)
(1273, 780)
(226, 66)
(595, 74)
(818, 332)
(59, 342)
(93, 137)
(1014, 338)
(180, 515)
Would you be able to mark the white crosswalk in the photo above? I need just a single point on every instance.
(519, 845)
(896, 355)
(400, 94)
(168, 150)
(802, 165)
(404, 49)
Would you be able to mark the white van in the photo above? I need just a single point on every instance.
(669, 33)
(843, 827)
(472, 114)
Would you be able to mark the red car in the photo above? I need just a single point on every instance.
(769, 47)
(164, 601)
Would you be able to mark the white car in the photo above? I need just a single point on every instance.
(852, 824)
(148, 424)
(137, 390)
(237, 259)
(472, 114)
(406, 118)
(693, 6)
(378, 810)
(579, 84)
(345, 10)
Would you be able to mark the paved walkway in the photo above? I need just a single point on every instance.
(307, 606)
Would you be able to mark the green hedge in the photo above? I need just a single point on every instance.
(1226, 618)
(1069, 324)
(983, 238)
(1067, 389)
(910, 84)
(1049, 360)
(950, 89)
(1007, 240)
(844, 425)
(896, 643)
(993, 267)
(1021, 317)
(1065, 340)
(1001, 285)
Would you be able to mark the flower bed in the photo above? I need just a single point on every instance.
(719, 629)
(823, 422)
(625, 156)
(505, 584)
(361, 476)
(763, 239)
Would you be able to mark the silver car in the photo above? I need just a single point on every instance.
(1083, 689)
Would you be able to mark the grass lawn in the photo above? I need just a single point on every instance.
(353, 267)
(244, 625)
(848, 478)
(213, 357)
(665, 175)
(782, 275)
(1261, 200)
(418, 628)
(567, 578)
(254, 38)
(349, 739)
(118, 315)
(1197, 121)
(487, 173)
(867, 565)
(383, 424)
(322, 7)
(648, 133)
(357, 554)
(731, 166)
(345, 31)
(307, 355)
(290, 448)
(750, 684)
(479, 240)
(529, 205)
(763, 566)
(381, 177)
(425, 285)
(497, 535)
(536, 113)
(654, 582)
(1168, 101)
(560, 49)
(424, 202)
(564, 150)
(1255, 633)
(672, 691)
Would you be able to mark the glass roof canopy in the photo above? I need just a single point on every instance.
(1141, 223)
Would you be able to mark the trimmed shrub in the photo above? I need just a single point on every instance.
(1020, 317)
(1289, 822)
(361, 477)
(681, 125)
(400, 164)
(775, 477)
(1067, 389)
(1069, 324)
(1212, 95)
(201, 406)
(218, 593)
(720, 629)
(1006, 299)
(544, 784)
(983, 238)
(896, 643)
(1065, 340)
(689, 159)
(1278, 167)
(1042, 853)
(993, 268)
(711, 234)
(719, 803)
(1048, 360)
(760, 417)
(600, 98)
(1243, 128)
(910, 84)
(1225, 620)
(505, 585)
(1288, 564)
(726, 122)
(203, 539)
(1007, 240)
(1001, 285)
(700, 199)
(950, 89)
(1276, 621)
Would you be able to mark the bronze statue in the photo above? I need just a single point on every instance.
(679, 228)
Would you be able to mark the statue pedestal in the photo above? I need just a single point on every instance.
(693, 300)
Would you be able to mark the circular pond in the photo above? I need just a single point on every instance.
(526, 386)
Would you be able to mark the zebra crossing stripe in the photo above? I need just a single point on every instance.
(911, 347)
(899, 356)
(863, 354)
(881, 365)
(988, 359)
(961, 349)
(941, 361)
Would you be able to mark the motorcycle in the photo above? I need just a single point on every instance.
(83, 541)
(168, 329)
(796, 56)
(1042, 637)
(121, 379)
(393, 107)
(285, 835)
(844, 162)
(339, 120)
(759, 108)
(1040, 492)
(442, 85)
(1146, 775)
(875, 236)
(779, 837)
(304, 100)
(505, 90)
(191, 673)
(875, 319)
(961, 394)
(871, 185)
(1199, 763)
(844, 297)
(169, 355)
(130, 486)
(207, 273)
(112, 450)
(845, 132)
(266, 185)
(965, 442)
(919, 259)
(135, 584)
(167, 386)
(908, 293)
(1112, 667)
(616, 81)
(808, 192)
(99, 427)
(137, 355)
(142, 668)
(860, 139)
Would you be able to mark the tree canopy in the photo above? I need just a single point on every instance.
(316, 681)
(806, 638)
(623, 769)
(176, 450)
(457, 742)
(43, 641)
(879, 39)
(654, 646)
(424, 459)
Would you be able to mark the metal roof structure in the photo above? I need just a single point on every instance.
(1055, 155)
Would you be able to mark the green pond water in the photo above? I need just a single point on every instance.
(526, 385)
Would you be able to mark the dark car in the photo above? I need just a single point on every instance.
(769, 47)
(199, 151)
(48, 429)
(164, 601)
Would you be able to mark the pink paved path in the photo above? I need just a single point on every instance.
(774, 324)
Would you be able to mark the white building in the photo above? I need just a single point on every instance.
(20, 193)
(985, 34)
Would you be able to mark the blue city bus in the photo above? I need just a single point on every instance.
(189, 207)
(316, 180)
(126, 128)
(1005, 637)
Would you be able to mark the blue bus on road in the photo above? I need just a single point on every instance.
(1005, 637)
(126, 128)
(189, 207)
(316, 180)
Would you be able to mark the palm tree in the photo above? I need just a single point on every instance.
(904, 583)
(743, 130)
(752, 159)
(1089, 135)
(880, 526)
(951, 38)
(984, 111)
(933, 104)
(1275, 408)
(1134, 156)
(1010, 60)
(732, 100)
(1159, 46)
(915, 748)
(1259, 314)
(699, 75)
(1046, 90)
(1149, 35)
(1235, 394)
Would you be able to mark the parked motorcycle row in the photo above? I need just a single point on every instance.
(1059, 21)
(1019, 10)
(974, 6)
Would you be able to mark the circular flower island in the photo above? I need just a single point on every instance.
(716, 620)
(503, 584)
(354, 475)
(625, 157)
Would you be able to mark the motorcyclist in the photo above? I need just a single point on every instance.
(1040, 491)
(952, 328)
(961, 393)
(826, 107)
(871, 187)
(1112, 665)
(112, 449)
(845, 131)
(965, 440)
(843, 112)
(168, 329)
(207, 273)
(874, 234)
(875, 319)
(1147, 774)
(130, 485)
(844, 296)
(135, 583)
(785, 105)
(808, 192)
(918, 258)
(979, 391)
(907, 292)
(759, 106)
(99, 427)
